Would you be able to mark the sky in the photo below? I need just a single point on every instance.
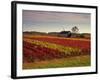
(49, 21)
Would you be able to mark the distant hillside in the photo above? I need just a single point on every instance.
(60, 34)
(35, 33)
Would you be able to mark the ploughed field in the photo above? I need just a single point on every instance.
(52, 52)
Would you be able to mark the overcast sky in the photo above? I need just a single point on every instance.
(48, 21)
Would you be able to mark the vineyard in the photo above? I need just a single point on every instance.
(37, 49)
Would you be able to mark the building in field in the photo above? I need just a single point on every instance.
(64, 34)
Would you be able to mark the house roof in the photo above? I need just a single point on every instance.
(65, 32)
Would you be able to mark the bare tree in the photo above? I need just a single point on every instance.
(75, 29)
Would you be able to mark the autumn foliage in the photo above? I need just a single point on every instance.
(38, 48)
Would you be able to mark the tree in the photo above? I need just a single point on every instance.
(75, 29)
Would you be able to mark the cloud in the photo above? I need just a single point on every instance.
(42, 19)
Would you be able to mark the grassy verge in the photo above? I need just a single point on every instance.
(77, 61)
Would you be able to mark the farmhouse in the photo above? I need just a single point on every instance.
(65, 34)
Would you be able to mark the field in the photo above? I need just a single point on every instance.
(43, 51)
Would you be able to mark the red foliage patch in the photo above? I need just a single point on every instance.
(82, 44)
